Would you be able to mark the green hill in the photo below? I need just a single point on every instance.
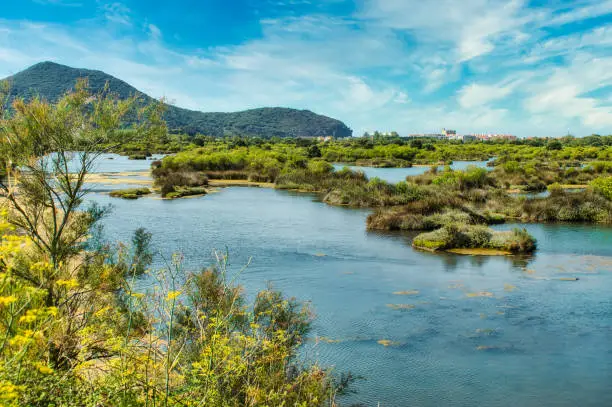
(50, 80)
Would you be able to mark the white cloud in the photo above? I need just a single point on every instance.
(470, 29)
(586, 11)
(475, 95)
(154, 31)
(565, 92)
(117, 13)
(398, 64)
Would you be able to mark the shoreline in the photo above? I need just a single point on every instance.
(223, 183)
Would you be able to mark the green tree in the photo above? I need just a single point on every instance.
(314, 151)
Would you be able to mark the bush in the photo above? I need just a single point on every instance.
(170, 181)
(603, 186)
(458, 236)
(180, 192)
(132, 193)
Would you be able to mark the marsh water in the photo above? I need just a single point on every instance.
(466, 331)
(395, 175)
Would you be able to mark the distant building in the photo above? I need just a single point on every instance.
(427, 135)
(462, 137)
(317, 138)
(488, 136)
(449, 133)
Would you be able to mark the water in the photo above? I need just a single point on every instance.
(114, 163)
(395, 175)
(490, 331)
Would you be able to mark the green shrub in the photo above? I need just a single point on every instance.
(603, 186)
(180, 192)
(132, 193)
(460, 236)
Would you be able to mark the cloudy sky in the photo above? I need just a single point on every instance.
(536, 67)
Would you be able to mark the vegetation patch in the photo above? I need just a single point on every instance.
(181, 192)
(131, 193)
(456, 236)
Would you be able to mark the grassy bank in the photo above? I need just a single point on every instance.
(461, 236)
(131, 193)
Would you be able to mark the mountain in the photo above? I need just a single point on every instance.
(50, 80)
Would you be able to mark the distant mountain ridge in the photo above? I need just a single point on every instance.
(51, 80)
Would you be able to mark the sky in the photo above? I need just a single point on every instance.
(530, 68)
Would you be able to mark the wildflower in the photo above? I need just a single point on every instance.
(7, 300)
(172, 295)
(69, 284)
(9, 391)
(44, 369)
(102, 311)
(28, 318)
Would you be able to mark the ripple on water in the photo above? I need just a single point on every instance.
(542, 341)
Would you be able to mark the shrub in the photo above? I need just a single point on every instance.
(460, 236)
(132, 193)
(603, 186)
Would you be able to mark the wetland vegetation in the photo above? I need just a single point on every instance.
(574, 175)
(78, 328)
(75, 327)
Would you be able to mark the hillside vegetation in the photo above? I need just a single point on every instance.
(51, 81)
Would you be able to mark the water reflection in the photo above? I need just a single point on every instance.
(395, 175)
(494, 331)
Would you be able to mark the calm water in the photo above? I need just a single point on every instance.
(529, 339)
(546, 342)
(394, 175)
(109, 163)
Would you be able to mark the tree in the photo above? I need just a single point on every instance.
(314, 151)
(73, 328)
(554, 145)
(45, 177)
(151, 127)
(416, 143)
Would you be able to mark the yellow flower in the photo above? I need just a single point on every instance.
(172, 295)
(28, 318)
(102, 311)
(44, 369)
(7, 300)
(69, 284)
(9, 391)
(41, 267)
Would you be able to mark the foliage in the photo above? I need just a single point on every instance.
(44, 183)
(561, 206)
(191, 339)
(603, 185)
(50, 81)
(76, 325)
(130, 193)
(458, 236)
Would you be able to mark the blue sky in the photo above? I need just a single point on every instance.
(539, 68)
